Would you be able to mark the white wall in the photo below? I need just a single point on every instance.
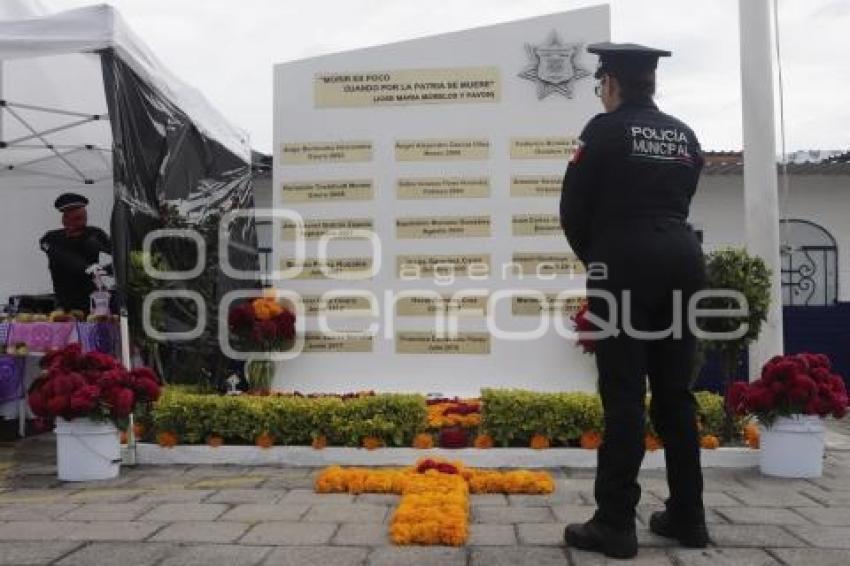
(718, 209)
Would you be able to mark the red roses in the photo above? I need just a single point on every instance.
(89, 385)
(790, 385)
(583, 328)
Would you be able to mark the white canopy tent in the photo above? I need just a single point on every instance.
(55, 134)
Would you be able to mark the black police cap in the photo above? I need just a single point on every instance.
(618, 58)
(68, 201)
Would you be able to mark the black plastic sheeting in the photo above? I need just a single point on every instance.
(168, 174)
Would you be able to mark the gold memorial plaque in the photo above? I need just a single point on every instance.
(529, 305)
(442, 149)
(561, 148)
(342, 268)
(315, 229)
(536, 185)
(305, 153)
(536, 225)
(318, 343)
(534, 263)
(407, 86)
(324, 191)
(429, 343)
(470, 305)
(340, 304)
(442, 227)
(411, 266)
(443, 187)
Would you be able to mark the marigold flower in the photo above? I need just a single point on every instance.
(652, 442)
(423, 441)
(483, 441)
(709, 441)
(264, 440)
(214, 441)
(167, 439)
(539, 442)
(752, 435)
(590, 440)
(319, 442)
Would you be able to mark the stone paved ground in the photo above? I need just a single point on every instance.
(227, 515)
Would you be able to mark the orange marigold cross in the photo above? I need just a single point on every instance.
(434, 507)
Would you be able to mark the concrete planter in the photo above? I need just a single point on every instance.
(489, 458)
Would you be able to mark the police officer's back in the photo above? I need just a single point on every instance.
(624, 207)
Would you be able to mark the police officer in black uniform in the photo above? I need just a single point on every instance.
(71, 250)
(624, 205)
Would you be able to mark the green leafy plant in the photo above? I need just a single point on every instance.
(512, 416)
(734, 269)
(291, 420)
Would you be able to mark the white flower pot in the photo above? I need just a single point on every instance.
(87, 450)
(792, 447)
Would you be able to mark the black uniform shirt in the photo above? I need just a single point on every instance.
(68, 259)
(633, 162)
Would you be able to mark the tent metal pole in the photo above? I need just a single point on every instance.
(89, 115)
(46, 143)
(46, 132)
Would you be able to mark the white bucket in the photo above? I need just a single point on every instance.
(87, 450)
(792, 447)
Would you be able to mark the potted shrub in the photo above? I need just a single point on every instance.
(791, 398)
(734, 269)
(89, 395)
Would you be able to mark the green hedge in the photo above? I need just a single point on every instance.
(290, 420)
(513, 416)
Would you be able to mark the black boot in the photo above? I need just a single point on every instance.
(692, 535)
(598, 537)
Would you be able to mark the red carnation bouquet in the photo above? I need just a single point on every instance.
(583, 327)
(93, 385)
(262, 325)
(799, 384)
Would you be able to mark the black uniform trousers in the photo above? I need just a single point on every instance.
(649, 258)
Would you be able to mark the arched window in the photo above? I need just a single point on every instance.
(809, 264)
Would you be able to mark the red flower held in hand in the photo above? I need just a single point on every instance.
(583, 327)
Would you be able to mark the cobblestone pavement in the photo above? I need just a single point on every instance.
(229, 515)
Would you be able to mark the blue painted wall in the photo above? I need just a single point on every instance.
(822, 330)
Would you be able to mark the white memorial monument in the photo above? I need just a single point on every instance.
(430, 171)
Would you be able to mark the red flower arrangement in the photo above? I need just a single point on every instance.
(584, 326)
(92, 385)
(454, 437)
(791, 385)
(440, 466)
(262, 325)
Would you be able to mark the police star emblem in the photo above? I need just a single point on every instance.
(554, 66)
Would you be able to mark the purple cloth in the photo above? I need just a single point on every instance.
(98, 337)
(4, 333)
(42, 336)
(11, 378)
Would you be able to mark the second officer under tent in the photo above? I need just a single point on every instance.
(86, 108)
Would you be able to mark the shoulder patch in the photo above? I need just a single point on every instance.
(579, 152)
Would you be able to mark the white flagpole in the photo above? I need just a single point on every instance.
(761, 201)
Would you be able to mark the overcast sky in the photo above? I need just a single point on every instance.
(226, 48)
